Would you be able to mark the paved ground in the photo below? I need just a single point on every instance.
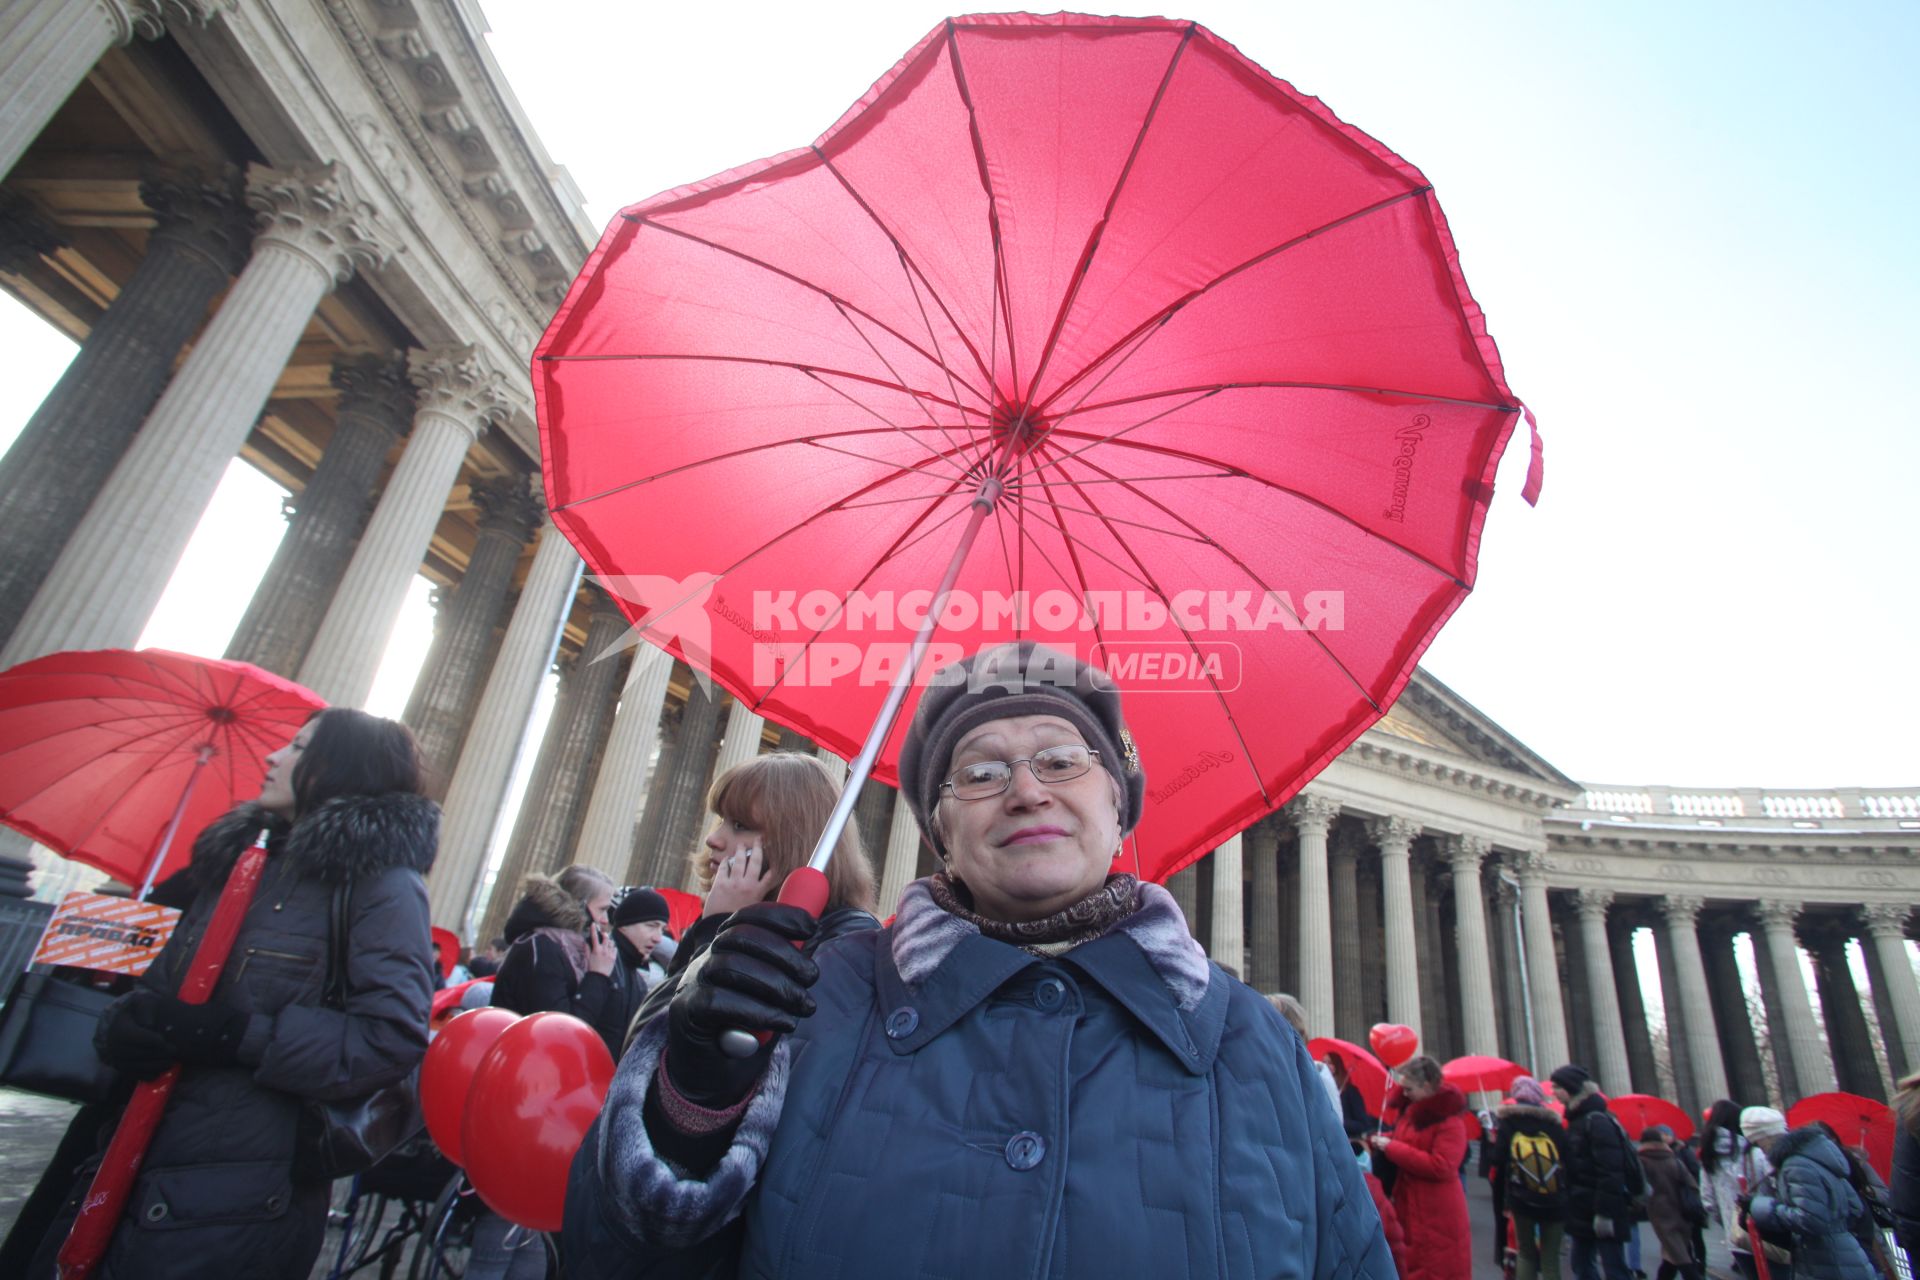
(30, 1127)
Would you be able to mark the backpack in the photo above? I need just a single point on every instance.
(1534, 1177)
(1639, 1190)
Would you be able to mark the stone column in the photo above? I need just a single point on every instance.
(1435, 1027)
(1609, 1035)
(543, 833)
(449, 684)
(1730, 1016)
(48, 46)
(1184, 885)
(1229, 918)
(459, 397)
(1812, 1071)
(1854, 1061)
(325, 520)
(902, 857)
(740, 741)
(1633, 1007)
(1887, 935)
(683, 816)
(652, 864)
(314, 233)
(1262, 854)
(1395, 838)
(1478, 1032)
(1703, 1038)
(606, 833)
(472, 807)
(1543, 966)
(1504, 954)
(1343, 890)
(1777, 1047)
(63, 456)
(1312, 817)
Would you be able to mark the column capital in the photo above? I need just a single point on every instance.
(24, 234)
(149, 19)
(319, 214)
(1530, 866)
(1775, 914)
(508, 507)
(457, 382)
(1680, 908)
(1464, 853)
(1593, 903)
(1887, 919)
(373, 387)
(1392, 833)
(202, 210)
(1312, 812)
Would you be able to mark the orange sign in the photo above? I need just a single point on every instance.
(111, 935)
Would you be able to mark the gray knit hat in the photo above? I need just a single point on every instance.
(1024, 679)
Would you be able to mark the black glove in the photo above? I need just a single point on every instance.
(129, 1040)
(752, 979)
(206, 1035)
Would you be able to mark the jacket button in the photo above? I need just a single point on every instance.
(1049, 993)
(156, 1211)
(902, 1022)
(1025, 1150)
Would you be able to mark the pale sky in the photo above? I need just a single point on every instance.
(1689, 227)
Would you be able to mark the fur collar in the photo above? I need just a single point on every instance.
(1811, 1143)
(1524, 1111)
(343, 839)
(923, 936)
(1437, 1107)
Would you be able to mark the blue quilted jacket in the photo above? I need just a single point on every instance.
(958, 1106)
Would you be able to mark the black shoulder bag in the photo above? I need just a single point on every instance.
(340, 1139)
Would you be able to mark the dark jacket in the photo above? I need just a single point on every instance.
(1353, 1113)
(700, 935)
(546, 965)
(1517, 1118)
(958, 1106)
(217, 1194)
(1813, 1197)
(1428, 1145)
(1596, 1156)
(1667, 1185)
(1904, 1188)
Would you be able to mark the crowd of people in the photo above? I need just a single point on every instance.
(1030, 1068)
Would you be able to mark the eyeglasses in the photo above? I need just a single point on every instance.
(984, 779)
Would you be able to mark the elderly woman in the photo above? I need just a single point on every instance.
(1032, 1071)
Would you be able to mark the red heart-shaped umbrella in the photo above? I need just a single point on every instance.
(1478, 1073)
(108, 755)
(1366, 1071)
(1860, 1122)
(1635, 1111)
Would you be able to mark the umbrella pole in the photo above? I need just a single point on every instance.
(106, 1198)
(862, 764)
(173, 824)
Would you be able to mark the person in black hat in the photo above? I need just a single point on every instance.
(1033, 1067)
(638, 917)
(1603, 1174)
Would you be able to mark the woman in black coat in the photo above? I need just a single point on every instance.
(562, 956)
(222, 1191)
(767, 814)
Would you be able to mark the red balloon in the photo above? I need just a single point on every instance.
(536, 1092)
(446, 1075)
(1392, 1043)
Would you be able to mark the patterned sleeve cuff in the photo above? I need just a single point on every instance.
(688, 1117)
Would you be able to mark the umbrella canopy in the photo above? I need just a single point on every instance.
(1206, 348)
(683, 909)
(1478, 1073)
(1365, 1070)
(98, 747)
(1635, 1111)
(1860, 1122)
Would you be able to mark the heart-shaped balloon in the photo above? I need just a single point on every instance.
(534, 1096)
(1392, 1043)
(446, 1074)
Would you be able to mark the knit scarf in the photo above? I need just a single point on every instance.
(1062, 931)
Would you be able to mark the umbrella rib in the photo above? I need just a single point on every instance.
(1219, 696)
(105, 811)
(848, 453)
(1347, 388)
(1000, 302)
(879, 417)
(1266, 590)
(841, 305)
(796, 365)
(927, 324)
(907, 260)
(1117, 567)
(1097, 235)
(1178, 475)
(1277, 487)
(1161, 317)
(740, 453)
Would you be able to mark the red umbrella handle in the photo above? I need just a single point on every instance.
(113, 1182)
(806, 888)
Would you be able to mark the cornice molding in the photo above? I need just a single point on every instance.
(1382, 753)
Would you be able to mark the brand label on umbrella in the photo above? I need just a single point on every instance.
(110, 935)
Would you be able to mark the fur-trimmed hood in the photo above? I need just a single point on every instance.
(545, 905)
(1812, 1143)
(1437, 1107)
(343, 839)
(1524, 1113)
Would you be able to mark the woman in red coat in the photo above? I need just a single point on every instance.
(1426, 1149)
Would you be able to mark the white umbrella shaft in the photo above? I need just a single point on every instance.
(173, 824)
